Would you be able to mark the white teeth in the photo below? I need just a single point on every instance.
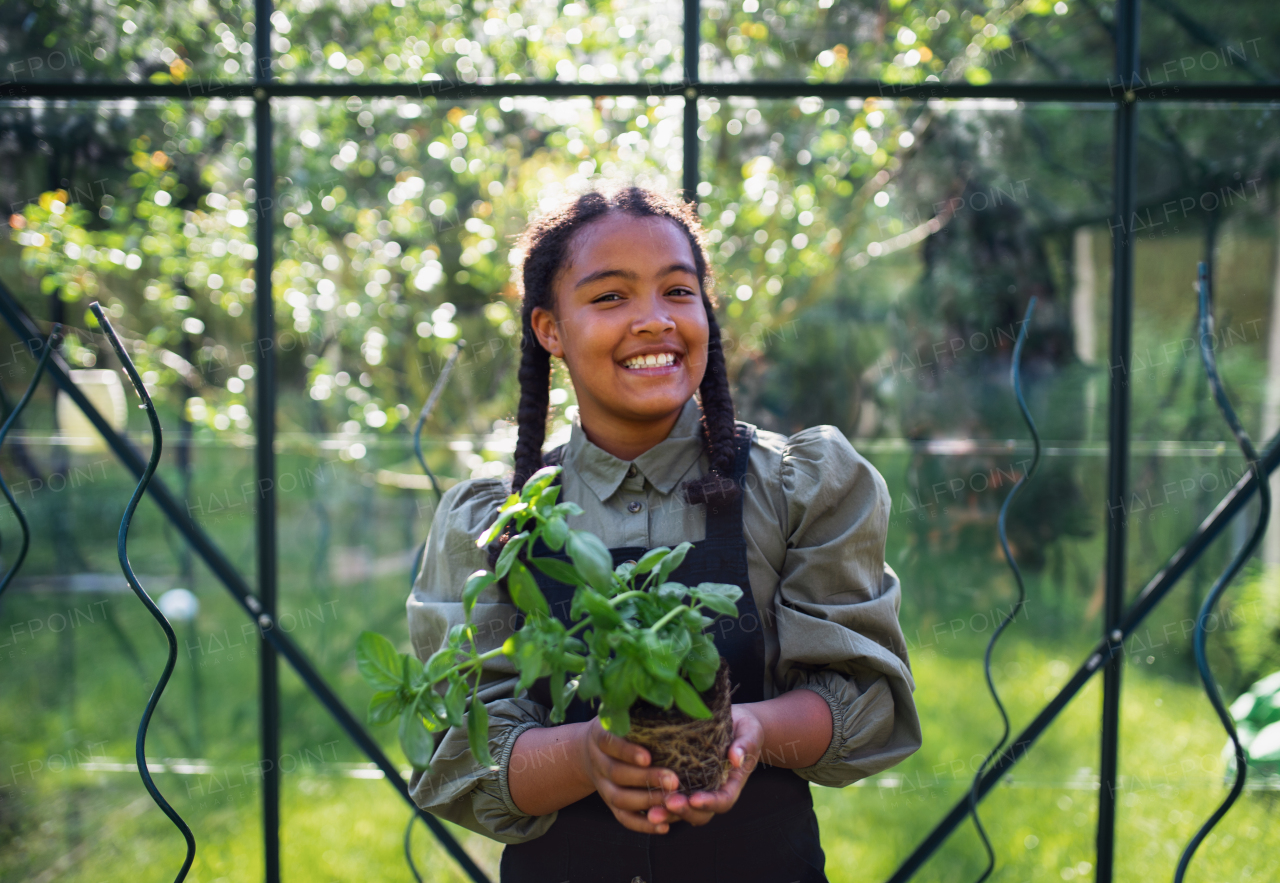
(652, 360)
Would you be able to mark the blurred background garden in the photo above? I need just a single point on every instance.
(873, 257)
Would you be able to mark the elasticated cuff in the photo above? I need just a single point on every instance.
(837, 725)
(504, 761)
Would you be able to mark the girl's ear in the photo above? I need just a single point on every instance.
(547, 330)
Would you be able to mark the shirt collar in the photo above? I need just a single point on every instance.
(663, 465)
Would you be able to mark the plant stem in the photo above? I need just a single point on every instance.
(668, 616)
(485, 657)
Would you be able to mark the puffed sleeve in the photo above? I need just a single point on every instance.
(837, 608)
(458, 788)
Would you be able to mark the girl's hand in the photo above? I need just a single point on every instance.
(701, 807)
(622, 776)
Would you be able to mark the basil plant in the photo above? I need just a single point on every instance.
(635, 633)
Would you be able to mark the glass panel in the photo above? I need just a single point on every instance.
(205, 44)
(1042, 822)
(1187, 42)
(1204, 194)
(932, 41)
(875, 260)
(138, 206)
(590, 41)
(395, 251)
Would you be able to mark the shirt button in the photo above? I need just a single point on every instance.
(634, 507)
(631, 471)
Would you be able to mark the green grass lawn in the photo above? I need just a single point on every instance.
(85, 826)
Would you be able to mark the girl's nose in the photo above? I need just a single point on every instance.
(654, 315)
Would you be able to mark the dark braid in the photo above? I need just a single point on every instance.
(718, 428)
(544, 247)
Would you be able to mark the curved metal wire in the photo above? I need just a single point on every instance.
(1015, 372)
(55, 338)
(427, 407)
(408, 848)
(1237, 562)
(123, 554)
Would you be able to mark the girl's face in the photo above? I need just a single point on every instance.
(629, 323)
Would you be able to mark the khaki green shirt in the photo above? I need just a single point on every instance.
(815, 516)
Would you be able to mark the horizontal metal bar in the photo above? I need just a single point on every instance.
(450, 90)
(1156, 589)
(22, 325)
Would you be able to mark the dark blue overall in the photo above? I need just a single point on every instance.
(770, 835)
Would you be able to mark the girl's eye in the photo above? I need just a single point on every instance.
(612, 296)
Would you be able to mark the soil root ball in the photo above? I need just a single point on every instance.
(697, 751)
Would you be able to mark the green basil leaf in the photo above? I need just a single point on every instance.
(538, 482)
(689, 700)
(591, 558)
(598, 607)
(623, 571)
(622, 681)
(671, 591)
(555, 532)
(384, 706)
(703, 655)
(478, 731)
(673, 560)
(651, 559)
(566, 510)
(455, 703)
(476, 583)
(561, 693)
(560, 571)
(525, 593)
(439, 663)
(660, 661)
(615, 720)
(702, 679)
(457, 634)
(529, 659)
(379, 662)
(728, 590)
(589, 684)
(416, 741)
(680, 643)
(431, 706)
(415, 673)
(509, 552)
(495, 530)
(656, 691)
(573, 662)
(547, 499)
(718, 603)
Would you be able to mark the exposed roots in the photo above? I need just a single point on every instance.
(697, 751)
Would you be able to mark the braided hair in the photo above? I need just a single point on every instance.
(544, 247)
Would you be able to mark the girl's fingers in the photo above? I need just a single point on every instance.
(659, 815)
(722, 800)
(639, 822)
(621, 749)
(679, 806)
(659, 779)
(634, 799)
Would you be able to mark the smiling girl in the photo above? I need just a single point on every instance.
(617, 286)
